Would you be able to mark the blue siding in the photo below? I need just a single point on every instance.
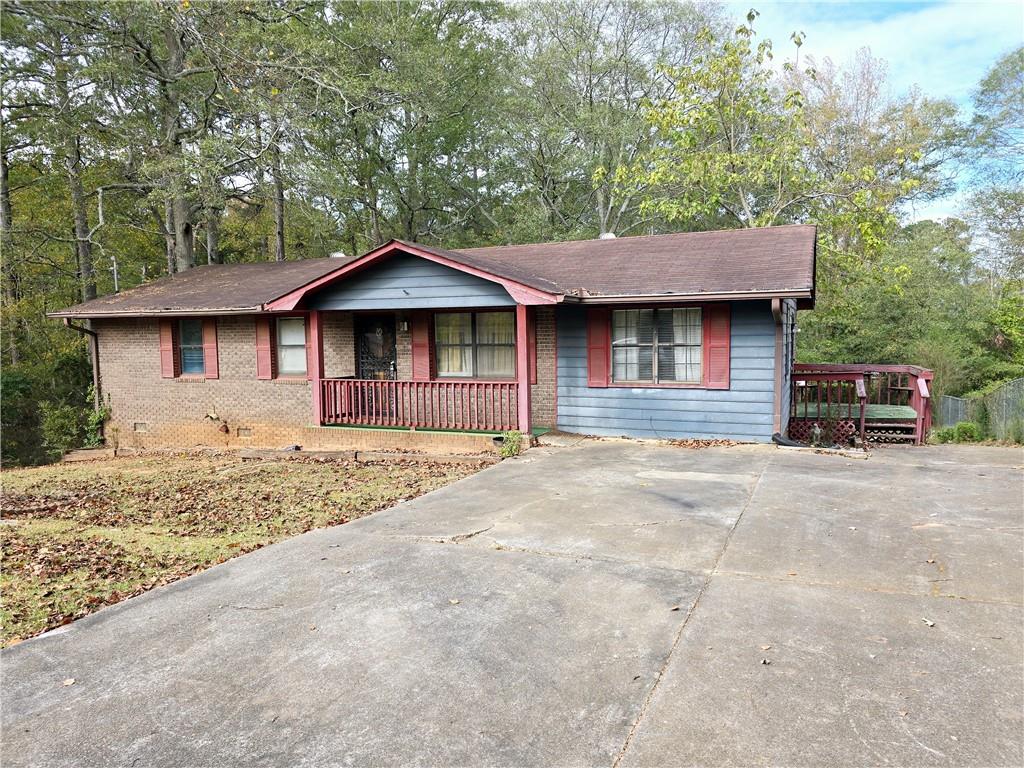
(409, 282)
(742, 412)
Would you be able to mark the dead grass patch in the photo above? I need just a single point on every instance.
(76, 537)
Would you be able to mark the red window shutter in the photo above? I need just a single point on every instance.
(264, 348)
(716, 345)
(598, 347)
(168, 350)
(421, 351)
(531, 340)
(210, 366)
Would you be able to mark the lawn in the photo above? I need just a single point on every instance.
(76, 537)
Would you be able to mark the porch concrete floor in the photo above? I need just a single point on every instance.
(607, 603)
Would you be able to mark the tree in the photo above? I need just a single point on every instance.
(585, 71)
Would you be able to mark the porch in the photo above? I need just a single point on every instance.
(878, 403)
(395, 369)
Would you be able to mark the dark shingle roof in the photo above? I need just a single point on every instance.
(739, 260)
(214, 288)
(765, 261)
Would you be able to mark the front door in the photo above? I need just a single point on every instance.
(375, 347)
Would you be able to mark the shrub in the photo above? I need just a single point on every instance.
(61, 427)
(94, 421)
(511, 444)
(1016, 431)
(966, 432)
(944, 435)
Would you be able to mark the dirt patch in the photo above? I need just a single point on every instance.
(77, 537)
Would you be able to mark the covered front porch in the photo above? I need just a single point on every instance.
(422, 370)
(406, 338)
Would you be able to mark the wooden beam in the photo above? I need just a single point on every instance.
(523, 370)
(316, 338)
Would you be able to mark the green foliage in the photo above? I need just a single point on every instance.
(511, 444)
(967, 432)
(61, 427)
(962, 432)
(95, 419)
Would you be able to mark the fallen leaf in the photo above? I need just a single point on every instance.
(454, 601)
(791, 573)
(766, 647)
(930, 560)
(676, 608)
(904, 713)
(928, 622)
(69, 681)
(766, 662)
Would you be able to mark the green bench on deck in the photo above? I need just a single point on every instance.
(885, 413)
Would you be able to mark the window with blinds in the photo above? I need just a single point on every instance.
(190, 347)
(657, 346)
(291, 346)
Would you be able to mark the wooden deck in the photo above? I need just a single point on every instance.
(878, 403)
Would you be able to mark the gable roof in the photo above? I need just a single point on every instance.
(767, 262)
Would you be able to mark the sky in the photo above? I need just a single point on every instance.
(943, 47)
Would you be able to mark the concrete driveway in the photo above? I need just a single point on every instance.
(611, 603)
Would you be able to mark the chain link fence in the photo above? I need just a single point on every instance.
(1003, 410)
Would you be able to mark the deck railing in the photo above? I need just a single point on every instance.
(469, 405)
(828, 393)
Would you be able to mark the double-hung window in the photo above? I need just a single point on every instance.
(190, 347)
(291, 346)
(475, 344)
(657, 346)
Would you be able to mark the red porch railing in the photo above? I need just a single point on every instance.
(883, 403)
(470, 405)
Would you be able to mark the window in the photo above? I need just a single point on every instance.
(657, 346)
(476, 344)
(291, 346)
(190, 345)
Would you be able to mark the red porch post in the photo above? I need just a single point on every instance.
(315, 362)
(523, 369)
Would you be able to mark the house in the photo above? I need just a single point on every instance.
(674, 336)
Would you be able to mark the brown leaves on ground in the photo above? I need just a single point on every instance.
(699, 444)
(78, 537)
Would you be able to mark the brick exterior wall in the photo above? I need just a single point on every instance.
(542, 394)
(149, 411)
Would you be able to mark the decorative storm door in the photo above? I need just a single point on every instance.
(375, 347)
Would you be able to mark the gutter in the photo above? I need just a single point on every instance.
(627, 298)
(158, 313)
(94, 349)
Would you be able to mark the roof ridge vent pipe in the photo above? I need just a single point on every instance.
(606, 236)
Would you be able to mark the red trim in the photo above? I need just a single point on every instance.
(211, 367)
(599, 347)
(265, 352)
(168, 349)
(315, 361)
(522, 370)
(717, 345)
(523, 294)
(422, 346)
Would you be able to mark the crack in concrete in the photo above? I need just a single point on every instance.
(645, 705)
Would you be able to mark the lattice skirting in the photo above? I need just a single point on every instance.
(838, 432)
